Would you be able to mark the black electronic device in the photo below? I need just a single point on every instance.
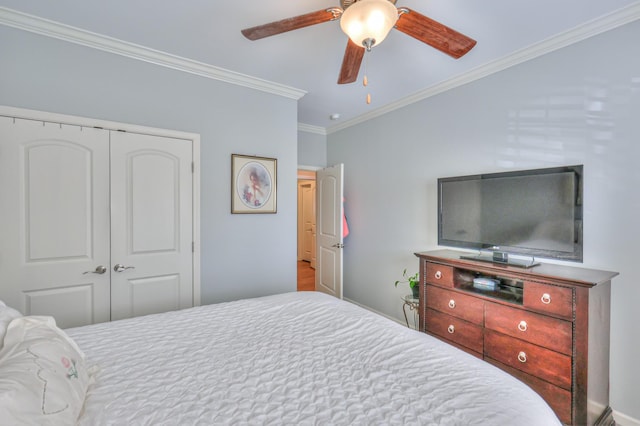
(500, 256)
(536, 213)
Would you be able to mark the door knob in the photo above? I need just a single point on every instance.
(99, 270)
(120, 267)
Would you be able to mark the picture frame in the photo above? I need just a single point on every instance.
(253, 184)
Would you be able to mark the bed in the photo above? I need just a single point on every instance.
(301, 358)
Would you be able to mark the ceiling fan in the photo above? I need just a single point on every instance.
(367, 23)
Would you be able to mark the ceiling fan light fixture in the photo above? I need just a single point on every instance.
(367, 22)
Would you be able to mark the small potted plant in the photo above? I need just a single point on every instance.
(413, 281)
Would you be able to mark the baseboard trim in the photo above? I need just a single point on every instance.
(375, 312)
(624, 420)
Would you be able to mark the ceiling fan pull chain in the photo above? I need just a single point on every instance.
(365, 80)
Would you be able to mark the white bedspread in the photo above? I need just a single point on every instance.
(295, 359)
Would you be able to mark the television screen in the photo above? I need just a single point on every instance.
(530, 212)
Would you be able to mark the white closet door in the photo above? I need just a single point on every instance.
(54, 204)
(151, 240)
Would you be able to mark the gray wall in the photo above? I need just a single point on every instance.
(242, 255)
(312, 149)
(578, 105)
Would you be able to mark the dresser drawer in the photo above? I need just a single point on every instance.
(559, 399)
(546, 364)
(439, 275)
(454, 329)
(552, 333)
(549, 299)
(460, 305)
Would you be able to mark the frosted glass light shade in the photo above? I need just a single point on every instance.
(368, 20)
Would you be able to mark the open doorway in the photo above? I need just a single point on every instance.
(306, 230)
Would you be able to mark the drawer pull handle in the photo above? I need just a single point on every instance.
(438, 275)
(451, 329)
(522, 357)
(452, 303)
(522, 326)
(546, 298)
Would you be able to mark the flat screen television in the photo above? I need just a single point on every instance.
(536, 213)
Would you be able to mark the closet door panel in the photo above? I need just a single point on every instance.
(54, 192)
(57, 200)
(151, 202)
(154, 205)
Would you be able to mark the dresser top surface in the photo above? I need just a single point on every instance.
(571, 274)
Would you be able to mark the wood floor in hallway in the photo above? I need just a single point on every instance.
(306, 276)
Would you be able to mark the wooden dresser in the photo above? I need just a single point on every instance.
(548, 325)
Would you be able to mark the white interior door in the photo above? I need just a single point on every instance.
(308, 220)
(54, 199)
(152, 236)
(329, 194)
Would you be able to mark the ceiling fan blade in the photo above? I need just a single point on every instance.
(289, 24)
(433, 33)
(353, 55)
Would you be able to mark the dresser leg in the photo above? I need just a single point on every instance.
(606, 418)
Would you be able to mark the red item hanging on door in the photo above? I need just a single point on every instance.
(345, 226)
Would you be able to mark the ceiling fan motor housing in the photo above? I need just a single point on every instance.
(346, 3)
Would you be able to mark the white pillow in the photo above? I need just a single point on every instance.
(7, 314)
(43, 379)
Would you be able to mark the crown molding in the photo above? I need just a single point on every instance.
(592, 28)
(308, 128)
(48, 28)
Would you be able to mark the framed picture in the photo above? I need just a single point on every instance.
(253, 184)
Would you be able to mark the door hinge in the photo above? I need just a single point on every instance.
(193, 167)
(193, 246)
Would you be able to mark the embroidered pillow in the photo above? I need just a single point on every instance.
(43, 379)
(7, 314)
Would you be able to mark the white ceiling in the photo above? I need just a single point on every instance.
(400, 69)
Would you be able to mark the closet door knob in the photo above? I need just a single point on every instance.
(120, 267)
(99, 270)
